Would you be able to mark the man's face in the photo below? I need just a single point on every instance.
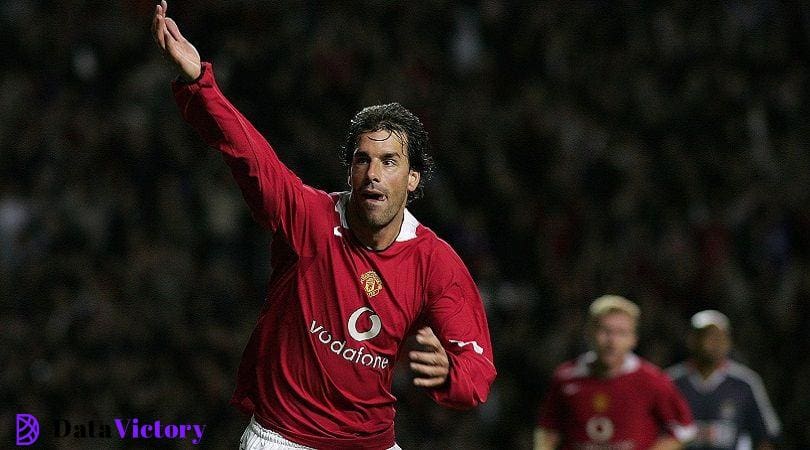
(380, 178)
(614, 336)
(712, 344)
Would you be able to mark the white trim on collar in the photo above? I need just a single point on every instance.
(406, 232)
(709, 384)
(582, 365)
(408, 229)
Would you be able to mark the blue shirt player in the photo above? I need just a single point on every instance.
(728, 400)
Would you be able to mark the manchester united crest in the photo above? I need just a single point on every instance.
(601, 401)
(371, 282)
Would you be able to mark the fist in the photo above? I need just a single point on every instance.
(430, 364)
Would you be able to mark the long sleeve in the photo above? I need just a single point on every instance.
(551, 412)
(273, 193)
(673, 412)
(456, 314)
(761, 422)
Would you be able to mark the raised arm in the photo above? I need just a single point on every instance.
(174, 46)
(273, 193)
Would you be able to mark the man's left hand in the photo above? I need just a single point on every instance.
(430, 365)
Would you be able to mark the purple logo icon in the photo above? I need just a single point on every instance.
(27, 429)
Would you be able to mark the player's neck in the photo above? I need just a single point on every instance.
(601, 369)
(376, 238)
(707, 368)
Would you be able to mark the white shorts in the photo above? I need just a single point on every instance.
(256, 437)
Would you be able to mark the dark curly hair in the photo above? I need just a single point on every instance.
(397, 119)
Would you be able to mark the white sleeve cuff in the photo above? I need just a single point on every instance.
(683, 433)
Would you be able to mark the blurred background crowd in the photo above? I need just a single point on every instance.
(656, 150)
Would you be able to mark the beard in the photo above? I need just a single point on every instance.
(376, 217)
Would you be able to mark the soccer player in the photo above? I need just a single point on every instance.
(609, 398)
(728, 400)
(354, 275)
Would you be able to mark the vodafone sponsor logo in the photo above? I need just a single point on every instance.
(360, 355)
(376, 325)
(599, 428)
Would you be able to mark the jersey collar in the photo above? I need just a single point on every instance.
(582, 365)
(708, 384)
(406, 232)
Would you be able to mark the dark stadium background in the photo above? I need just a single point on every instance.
(659, 151)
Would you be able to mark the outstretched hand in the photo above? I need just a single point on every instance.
(173, 45)
(430, 365)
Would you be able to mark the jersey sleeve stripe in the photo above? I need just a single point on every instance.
(753, 380)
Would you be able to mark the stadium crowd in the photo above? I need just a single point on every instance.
(658, 151)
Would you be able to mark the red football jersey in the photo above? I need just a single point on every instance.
(319, 364)
(626, 412)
